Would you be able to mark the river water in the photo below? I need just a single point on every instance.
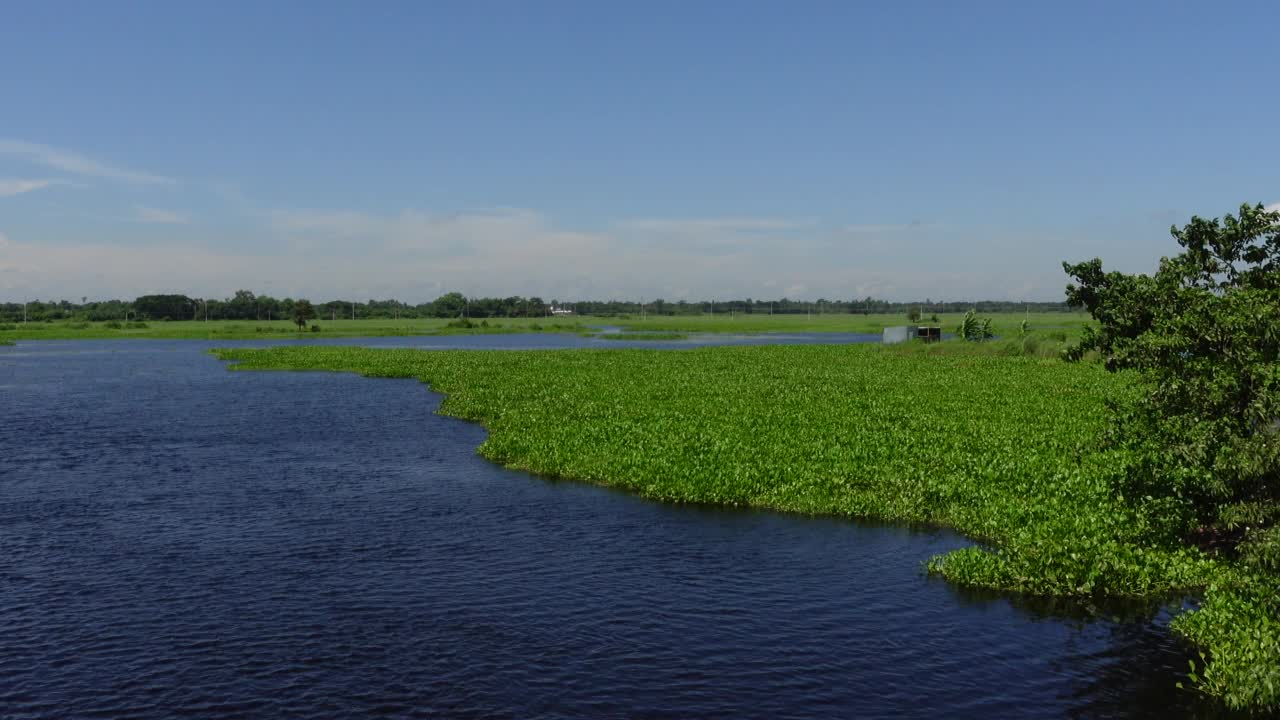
(180, 540)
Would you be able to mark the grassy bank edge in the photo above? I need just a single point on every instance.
(1047, 327)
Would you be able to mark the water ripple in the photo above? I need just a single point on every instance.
(181, 541)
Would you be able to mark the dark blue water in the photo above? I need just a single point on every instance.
(180, 540)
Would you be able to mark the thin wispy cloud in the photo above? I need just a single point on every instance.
(889, 227)
(732, 224)
(14, 186)
(144, 214)
(77, 164)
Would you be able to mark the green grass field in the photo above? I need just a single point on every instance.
(1005, 323)
(999, 448)
(1067, 325)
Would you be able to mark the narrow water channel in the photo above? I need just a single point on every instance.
(177, 539)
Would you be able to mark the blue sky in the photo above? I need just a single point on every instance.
(589, 149)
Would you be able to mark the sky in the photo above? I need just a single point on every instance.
(594, 150)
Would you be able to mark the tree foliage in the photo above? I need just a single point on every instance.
(1203, 333)
(164, 307)
(302, 312)
(975, 328)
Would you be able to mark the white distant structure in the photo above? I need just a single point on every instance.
(562, 310)
(895, 335)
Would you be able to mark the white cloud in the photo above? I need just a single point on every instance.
(144, 214)
(1273, 207)
(11, 186)
(726, 236)
(415, 256)
(68, 161)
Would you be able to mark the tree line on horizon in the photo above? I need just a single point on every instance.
(247, 305)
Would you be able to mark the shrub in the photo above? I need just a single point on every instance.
(974, 328)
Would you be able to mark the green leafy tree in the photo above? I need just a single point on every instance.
(449, 305)
(242, 306)
(164, 307)
(1203, 336)
(302, 312)
(975, 328)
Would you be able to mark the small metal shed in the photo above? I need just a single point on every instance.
(929, 333)
(895, 335)
(903, 333)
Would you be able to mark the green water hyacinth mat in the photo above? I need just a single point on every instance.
(999, 448)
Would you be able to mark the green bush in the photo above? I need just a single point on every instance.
(974, 328)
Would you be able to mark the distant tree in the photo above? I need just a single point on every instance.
(302, 312)
(268, 307)
(449, 305)
(164, 307)
(242, 306)
(1203, 336)
(913, 314)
